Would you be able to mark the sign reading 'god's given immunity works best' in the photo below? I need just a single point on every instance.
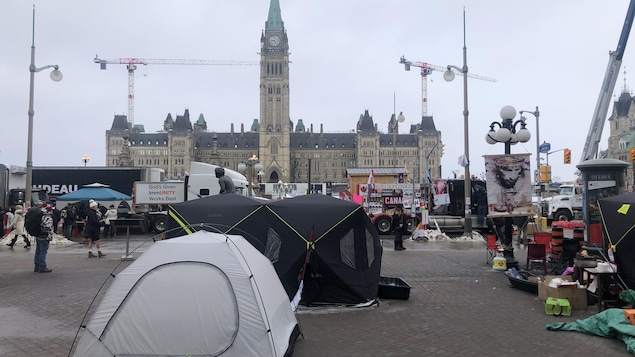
(159, 192)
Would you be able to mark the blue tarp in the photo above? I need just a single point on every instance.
(96, 193)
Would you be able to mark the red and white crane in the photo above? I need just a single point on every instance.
(131, 65)
(426, 69)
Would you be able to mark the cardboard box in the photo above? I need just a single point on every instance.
(577, 296)
(630, 315)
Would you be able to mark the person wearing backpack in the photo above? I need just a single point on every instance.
(18, 227)
(42, 237)
(93, 226)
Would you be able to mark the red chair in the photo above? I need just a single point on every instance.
(492, 248)
(543, 238)
(536, 253)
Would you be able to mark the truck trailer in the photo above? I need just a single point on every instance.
(61, 180)
(448, 215)
(12, 187)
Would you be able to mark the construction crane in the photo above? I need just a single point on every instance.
(591, 146)
(426, 69)
(131, 65)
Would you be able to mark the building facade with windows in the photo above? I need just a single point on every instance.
(622, 133)
(289, 151)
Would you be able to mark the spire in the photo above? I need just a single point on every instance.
(274, 20)
(625, 89)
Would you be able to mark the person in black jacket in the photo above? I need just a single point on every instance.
(57, 217)
(399, 227)
(69, 216)
(93, 226)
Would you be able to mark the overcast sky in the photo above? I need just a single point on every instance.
(345, 59)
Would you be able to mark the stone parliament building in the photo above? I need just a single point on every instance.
(288, 152)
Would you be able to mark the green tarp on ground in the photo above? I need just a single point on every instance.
(608, 323)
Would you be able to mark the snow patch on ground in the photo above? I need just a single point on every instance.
(57, 239)
(433, 235)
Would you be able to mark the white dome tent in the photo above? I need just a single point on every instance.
(200, 294)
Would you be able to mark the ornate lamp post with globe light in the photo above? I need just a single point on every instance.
(56, 76)
(251, 167)
(85, 159)
(509, 134)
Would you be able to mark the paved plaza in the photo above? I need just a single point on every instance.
(458, 306)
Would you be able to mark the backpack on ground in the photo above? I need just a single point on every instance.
(33, 221)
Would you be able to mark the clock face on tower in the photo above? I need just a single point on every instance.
(274, 40)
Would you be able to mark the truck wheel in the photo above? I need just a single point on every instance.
(383, 225)
(562, 216)
(158, 224)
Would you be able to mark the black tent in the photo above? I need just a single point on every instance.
(344, 252)
(618, 218)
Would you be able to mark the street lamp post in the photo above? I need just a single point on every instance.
(398, 119)
(56, 76)
(509, 135)
(250, 167)
(449, 76)
(536, 113)
(85, 159)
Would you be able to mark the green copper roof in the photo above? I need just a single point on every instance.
(255, 126)
(274, 20)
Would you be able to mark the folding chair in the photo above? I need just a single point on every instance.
(536, 253)
(492, 248)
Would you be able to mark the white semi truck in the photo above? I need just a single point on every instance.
(567, 204)
(200, 182)
(12, 187)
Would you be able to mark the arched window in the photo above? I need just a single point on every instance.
(274, 148)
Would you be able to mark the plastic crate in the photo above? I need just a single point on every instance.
(393, 288)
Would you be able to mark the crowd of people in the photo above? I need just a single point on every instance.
(39, 225)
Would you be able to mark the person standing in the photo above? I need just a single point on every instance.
(225, 183)
(68, 215)
(481, 202)
(93, 225)
(43, 239)
(110, 214)
(57, 217)
(399, 227)
(9, 221)
(18, 228)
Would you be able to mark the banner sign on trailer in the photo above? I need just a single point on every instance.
(159, 192)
